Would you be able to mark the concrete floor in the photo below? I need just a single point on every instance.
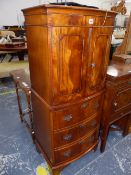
(18, 155)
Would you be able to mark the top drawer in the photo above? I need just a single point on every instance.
(122, 98)
(62, 20)
(124, 84)
(76, 113)
(66, 20)
(79, 20)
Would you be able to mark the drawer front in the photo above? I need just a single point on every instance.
(89, 125)
(81, 146)
(67, 20)
(98, 21)
(121, 113)
(76, 113)
(124, 84)
(122, 99)
(90, 107)
(69, 135)
(66, 117)
(65, 137)
(79, 20)
(89, 141)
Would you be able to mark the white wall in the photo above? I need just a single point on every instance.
(10, 10)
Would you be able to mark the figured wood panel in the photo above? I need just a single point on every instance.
(99, 58)
(39, 60)
(70, 64)
(42, 125)
(69, 56)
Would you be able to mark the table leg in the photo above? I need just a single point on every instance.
(18, 100)
(28, 97)
(104, 135)
(126, 126)
(20, 56)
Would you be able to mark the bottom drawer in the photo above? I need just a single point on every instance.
(72, 151)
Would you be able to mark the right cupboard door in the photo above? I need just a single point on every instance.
(98, 59)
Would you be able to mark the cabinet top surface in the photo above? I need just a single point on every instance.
(116, 71)
(46, 7)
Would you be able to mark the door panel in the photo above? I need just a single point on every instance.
(69, 59)
(99, 58)
(70, 62)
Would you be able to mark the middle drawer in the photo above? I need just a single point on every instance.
(74, 133)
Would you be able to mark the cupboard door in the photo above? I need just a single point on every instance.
(69, 53)
(122, 99)
(98, 58)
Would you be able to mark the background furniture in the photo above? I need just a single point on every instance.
(21, 80)
(117, 101)
(122, 58)
(125, 47)
(20, 51)
(68, 58)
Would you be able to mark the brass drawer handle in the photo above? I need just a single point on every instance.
(91, 139)
(84, 105)
(81, 142)
(82, 125)
(115, 104)
(67, 137)
(93, 123)
(67, 153)
(68, 118)
(96, 105)
(93, 65)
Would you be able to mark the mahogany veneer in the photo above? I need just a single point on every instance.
(68, 57)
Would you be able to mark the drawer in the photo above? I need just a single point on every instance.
(89, 125)
(65, 137)
(119, 114)
(124, 84)
(65, 20)
(88, 142)
(90, 107)
(81, 146)
(98, 21)
(122, 99)
(76, 113)
(66, 117)
(69, 135)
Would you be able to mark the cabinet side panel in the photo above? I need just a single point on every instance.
(37, 40)
(42, 125)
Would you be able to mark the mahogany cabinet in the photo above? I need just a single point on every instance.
(68, 56)
(117, 100)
